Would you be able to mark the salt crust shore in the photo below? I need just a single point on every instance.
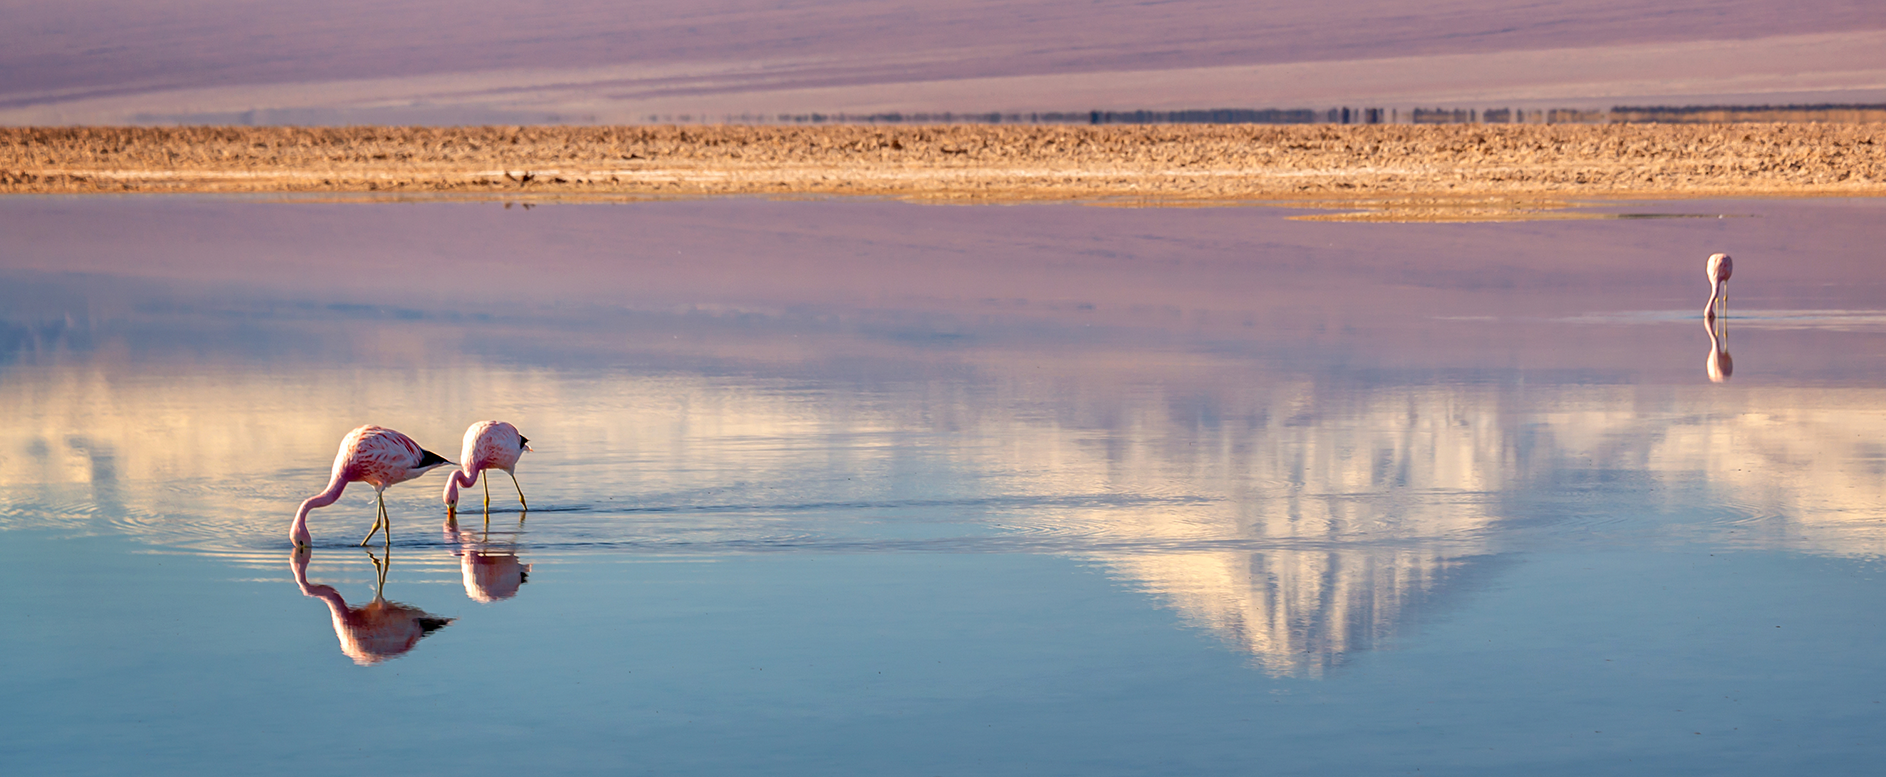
(1371, 172)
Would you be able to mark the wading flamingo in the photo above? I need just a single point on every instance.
(488, 445)
(378, 456)
(1719, 267)
(373, 632)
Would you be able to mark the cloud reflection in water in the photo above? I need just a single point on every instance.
(1300, 520)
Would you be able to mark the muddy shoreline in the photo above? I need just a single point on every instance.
(1389, 171)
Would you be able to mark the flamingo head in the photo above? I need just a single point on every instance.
(524, 442)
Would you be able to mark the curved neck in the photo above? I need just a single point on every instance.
(459, 479)
(334, 488)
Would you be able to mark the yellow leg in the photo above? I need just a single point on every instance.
(379, 515)
(520, 492)
(487, 492)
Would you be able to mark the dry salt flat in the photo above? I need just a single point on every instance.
(1396, 172)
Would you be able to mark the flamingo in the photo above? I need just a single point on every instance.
(1719, 267)
(378, 456)
(488, 445)
(376, 631)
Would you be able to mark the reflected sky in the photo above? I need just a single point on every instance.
(1304, 440)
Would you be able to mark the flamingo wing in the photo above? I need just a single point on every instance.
(382, 456)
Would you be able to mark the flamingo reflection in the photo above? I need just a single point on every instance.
(376, 631)
(491, 570)
(1720, 365)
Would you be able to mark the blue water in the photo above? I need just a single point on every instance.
(857, 487)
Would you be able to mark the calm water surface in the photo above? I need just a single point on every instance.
(846, 487)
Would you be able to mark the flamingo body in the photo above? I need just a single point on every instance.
(374, 455)
(488, 445)
(1718, 268)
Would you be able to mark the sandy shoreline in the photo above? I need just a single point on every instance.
(1392, 171)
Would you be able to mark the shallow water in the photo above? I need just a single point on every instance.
(861, 487)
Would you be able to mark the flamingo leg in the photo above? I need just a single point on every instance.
(379, 520)
(487, 501)
(372, 531)
(520, 492)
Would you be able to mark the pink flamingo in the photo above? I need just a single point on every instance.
(1719, 267)
(378, 456)
(376, 631)
(488, 445)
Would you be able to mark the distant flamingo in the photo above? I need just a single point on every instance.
(378, 456)
(1719, 267)
(488, 445)
(376, 631)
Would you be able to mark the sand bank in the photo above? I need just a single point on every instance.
(1390, 171)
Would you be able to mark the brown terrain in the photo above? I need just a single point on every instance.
(1473, 171)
